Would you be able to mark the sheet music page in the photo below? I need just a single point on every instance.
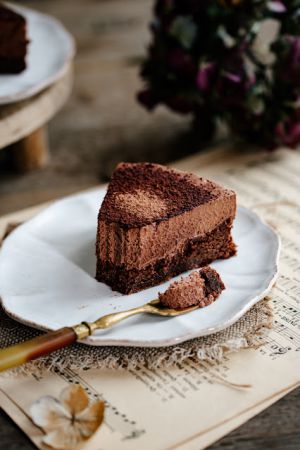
(270, 186)
(189, 406)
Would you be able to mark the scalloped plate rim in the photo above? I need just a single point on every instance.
(92, 340)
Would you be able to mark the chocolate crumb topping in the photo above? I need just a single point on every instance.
(143, 204)
(173, 192)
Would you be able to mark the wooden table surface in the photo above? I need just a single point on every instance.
(101, 125)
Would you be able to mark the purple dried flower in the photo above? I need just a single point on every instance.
(235, 80)
(205, 76)
(242, 79)
(249, 83)
(232, 88)
(234, 77)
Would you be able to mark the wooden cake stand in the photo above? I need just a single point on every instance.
(23, 125)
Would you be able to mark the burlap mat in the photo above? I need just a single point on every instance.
(249, 331)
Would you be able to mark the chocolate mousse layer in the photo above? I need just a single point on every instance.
(200, 288)
(156, 222)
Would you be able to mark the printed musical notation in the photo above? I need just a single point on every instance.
(285, 335)
(115, 419)
(181, 381)
(272, 189)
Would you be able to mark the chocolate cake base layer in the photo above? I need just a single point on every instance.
(198, 252)
(12, 65)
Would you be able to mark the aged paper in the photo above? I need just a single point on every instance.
(189, 406)
(20, 418)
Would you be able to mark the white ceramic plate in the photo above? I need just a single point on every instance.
(47, 269)
(50, 50)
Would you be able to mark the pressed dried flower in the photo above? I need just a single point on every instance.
(69, 420)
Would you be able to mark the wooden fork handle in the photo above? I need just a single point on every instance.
(42, 345)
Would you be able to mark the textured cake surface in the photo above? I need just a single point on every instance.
(156, 222)
(142, 193)
(199, 288)
(13, 41)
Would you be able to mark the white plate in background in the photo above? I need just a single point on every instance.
(50, 51)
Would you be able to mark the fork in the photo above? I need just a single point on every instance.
(47, 343)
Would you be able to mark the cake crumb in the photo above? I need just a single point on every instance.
(200, 288)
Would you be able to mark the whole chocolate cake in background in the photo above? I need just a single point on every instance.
(156, 222)
(13, 41)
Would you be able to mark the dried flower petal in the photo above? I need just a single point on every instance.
(49, 414)
(68, 421)
(91, 418)
(227, 39)
(74, 399)
(62, 439)
(234, 77)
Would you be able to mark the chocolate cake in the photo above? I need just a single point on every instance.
(156, 222)
(13, 41)
(200, 288)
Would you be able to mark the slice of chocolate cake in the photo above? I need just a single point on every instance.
(13, 41)
(156, 222)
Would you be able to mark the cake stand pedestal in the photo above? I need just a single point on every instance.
(23, 125)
